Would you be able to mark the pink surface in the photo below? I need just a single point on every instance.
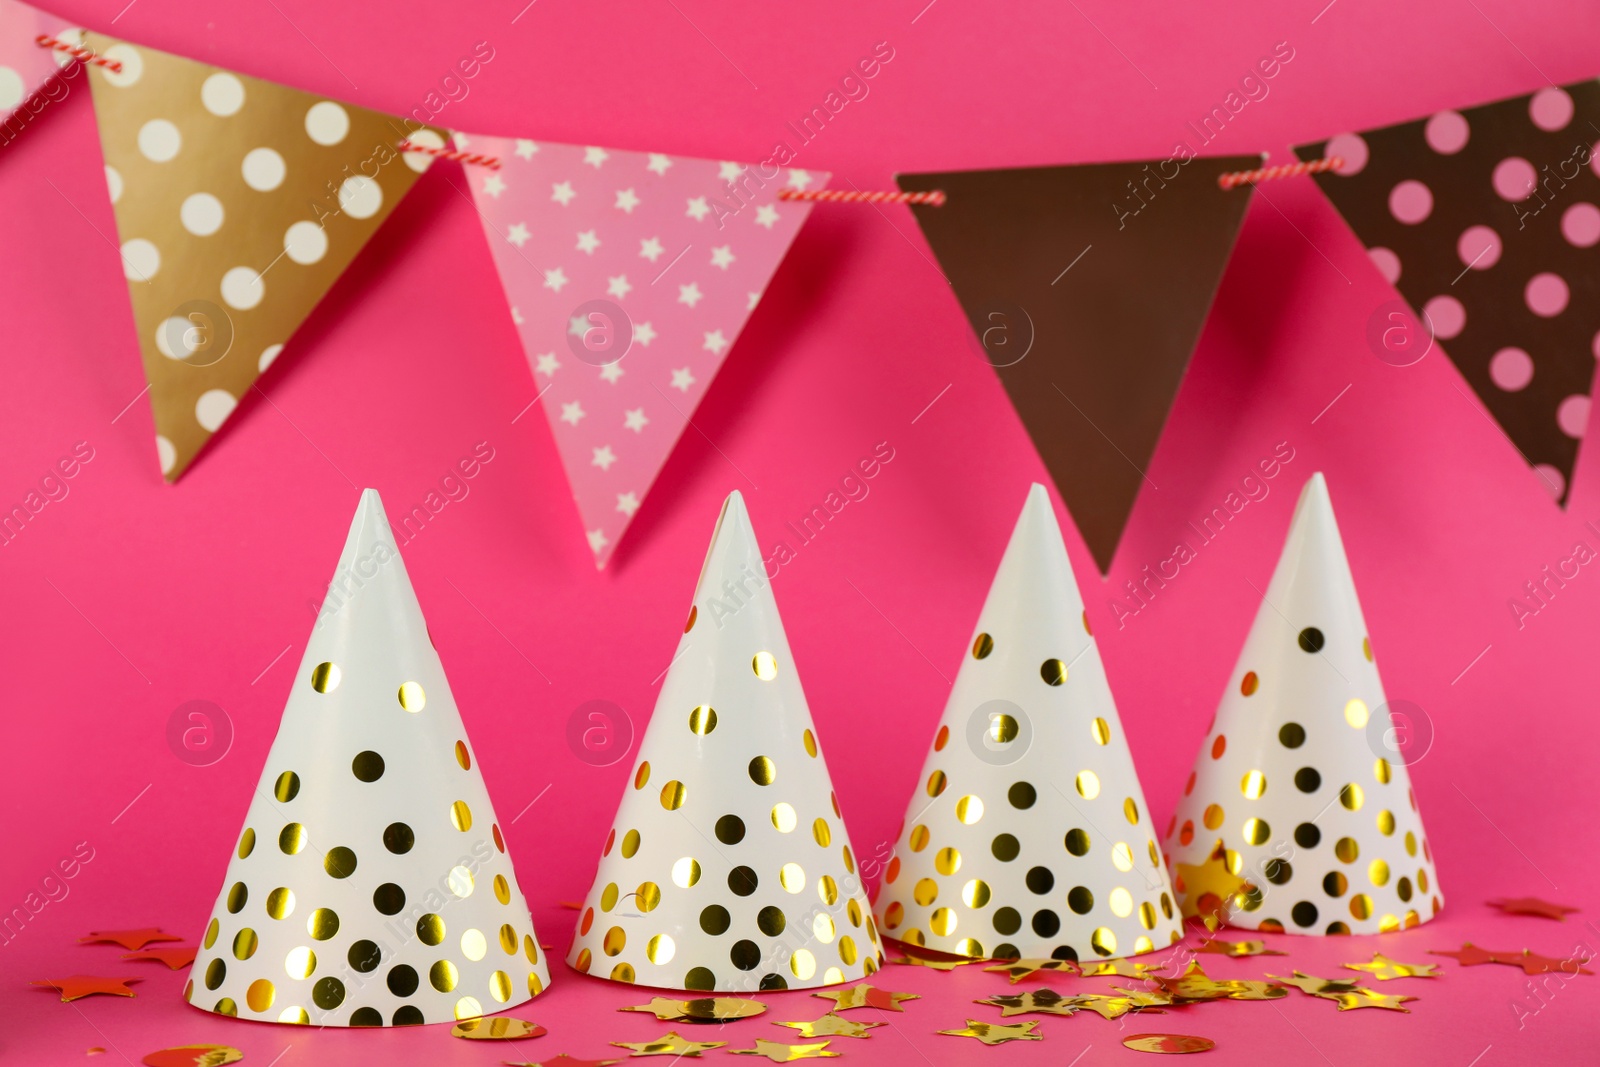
(128, 598)
(25, 67)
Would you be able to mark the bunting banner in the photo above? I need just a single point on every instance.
(239, 202)
(629, 275)
(1088, 287)
(1485, 220)
(25, 68)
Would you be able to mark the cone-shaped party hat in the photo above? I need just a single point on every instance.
(1028, 834)
(370, 885)
(1299, 816)
(728, 866)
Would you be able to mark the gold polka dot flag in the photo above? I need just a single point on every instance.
(1299, 815)
(370, 884)
(728, 866)
(1028, 835)
(239, 202)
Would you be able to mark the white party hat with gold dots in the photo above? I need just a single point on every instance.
(370, 885)
(1028, 834)
(728, 866)
(1299, 815)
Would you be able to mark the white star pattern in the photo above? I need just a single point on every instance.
(754, 298)
(460, 139)
(578, 325)
(643, 334)
(604, 457)
(715, 342)
(562, 193)
(518, 235)
(555, 279)
(494, 186)
(611, 372)
(547, 364)
(516, 316)
(597, 541)
(626, 200)
(526, 149)
(698, 208)
(650, 248)
(766, 215)
(595, 156)
(573, 413)
(689, 294)
(722, 257)
(682, 379)
(729, 172)
(588, 242)
(799, 179)
(658, 163)
(635, 420)
(628, 503)
(618, 286)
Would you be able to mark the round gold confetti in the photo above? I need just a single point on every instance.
(765, 666)
(412, 698)
(1169, 1043)
(325, 677)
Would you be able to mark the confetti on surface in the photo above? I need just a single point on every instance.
(193, 1056)
(1035, 1001)
(175, 958)
(669, 1045)
(1238, 948)
(1027, 968)
(133, 940)
(564, 1060)
(1470, 955)
(997, 1033)
(1318, 986)
(504, 1029)
(1366, 998)
(1384, 969)
(917, 956)
(94, 1050)
(1533, 906)
(831, 1025)
(1169, 1043)
(1110, 1007)
(865, 996)
(1346, 992)
(84, 985)
(1195, 984)
(778, 1052)
(663, 1008)
(1120, 968)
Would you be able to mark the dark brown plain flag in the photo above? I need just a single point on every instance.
(1088, 286)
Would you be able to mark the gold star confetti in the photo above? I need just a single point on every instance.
(831, 1025)
(1383, 968)
(1318, 987)
(1107, 1007)
(193, 1056)
(670, 1045)
(865, 996)
(503, 1029)
(564, 1060)
(1120, 968)
(1195, 984)
(1035, 1001)
(778, 1052)
(1208, 887)
(1533, 906)
(700, 1010)
(1238, 948)
(1366, 998)
(997, 1033)
(1027, 968)
(664, 1008)
(84, 985)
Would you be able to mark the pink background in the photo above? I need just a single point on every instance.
(128, 598)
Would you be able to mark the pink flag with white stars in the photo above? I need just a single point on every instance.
(629, 275)
(25, 67)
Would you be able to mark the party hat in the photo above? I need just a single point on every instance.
(1029, 835)
(728, 866)
(1299, 816)
(370, 884)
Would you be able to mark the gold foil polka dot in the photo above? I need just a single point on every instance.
(614, 941)
(854, 912)
(367, 766)
(1130, 811)
(1122, 856)
(828, 892)
(444, 976)
(919, 838)
(247, 842)
(810, 741)
(412, 698)
(1347, 849)
(820, 832)
(783, 817)
(280, 903)
(936, 783)
(1213, 816)
(1388, 924)
(642, 775)
(763, 771)
(1361, 906)
(468, 1008)
(244, 944)
(630, 844)
(211, 934)
(982, 645)
(1356, 714)
(947, 861)
(925, 892)
(463, 757)
(1077, 842)
(703, 719)
(474, 945)
(1422, 879)
(216, 971)
(765, 666)
(325, 677)
(672, 795)
(792, 877)
(1386, 823)
(238, 894)
(322, 924)
(1411, 843)
(1104, 941)
(292, 839)
(1249, 683)
(1351, 797)
(847, 950)
(1053, 671)
(975, 894)
(287, 787)
(943, 922)
(300, 962)
(1256, 831)
(822, 928)
(648, 896)
(530, 948)
(1102, 731)
(660, 948)
(461, 816)
(1147, 915)
(969, 809)
(294, 1015)
(1088, 785)
(226, 1006)
(1381, 771)
(260, 995)
(581, 964)
(1120, 902)
(1253, 785)
(502, 889)
(1378, 872)
(430, 930)
(803, 964)
(500, 986)
(608, 896)
(685, 872)
(460, 881)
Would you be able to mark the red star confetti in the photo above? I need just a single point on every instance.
(132, 940)
(503, 1029)
(865, 996)
(1384, 969)
(1238, 949)
(564, 1060)
(1027, 968)
(1533, 906)
(778, 1052)
(175, 958)
(84, 985)
(1169, 1043)
(997, 1033)
(193, 1056)
(1470, 955)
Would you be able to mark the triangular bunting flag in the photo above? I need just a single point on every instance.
(1299, 816)
(629, 276)
(1088, 286)
(728, 866)
(239, 202)
(1028, 835)
(1485, 220)
(370, 885)
(25, 67)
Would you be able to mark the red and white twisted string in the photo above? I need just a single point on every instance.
(1236, 178)
(44, 40)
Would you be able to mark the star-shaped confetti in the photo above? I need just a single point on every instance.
(132, 940)
(175, 958)
(1027, 968)
(1109, 1007)
(1208, 887)
(193, 1056)
(1383, 968)
(84, 985)
(1120, 968)
(1317, 987)
(1238, 948)
(700, 1010)
(831, 1025)
(778, 1052)
(1195, 984)
(502, 1029)
(563, 1060)
(865, 996)
(997, 1033)
(1533, 906)
(1033, 1002)
(1366, 998)
(1470, 955)
(669, 1045)
(664, 1008)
